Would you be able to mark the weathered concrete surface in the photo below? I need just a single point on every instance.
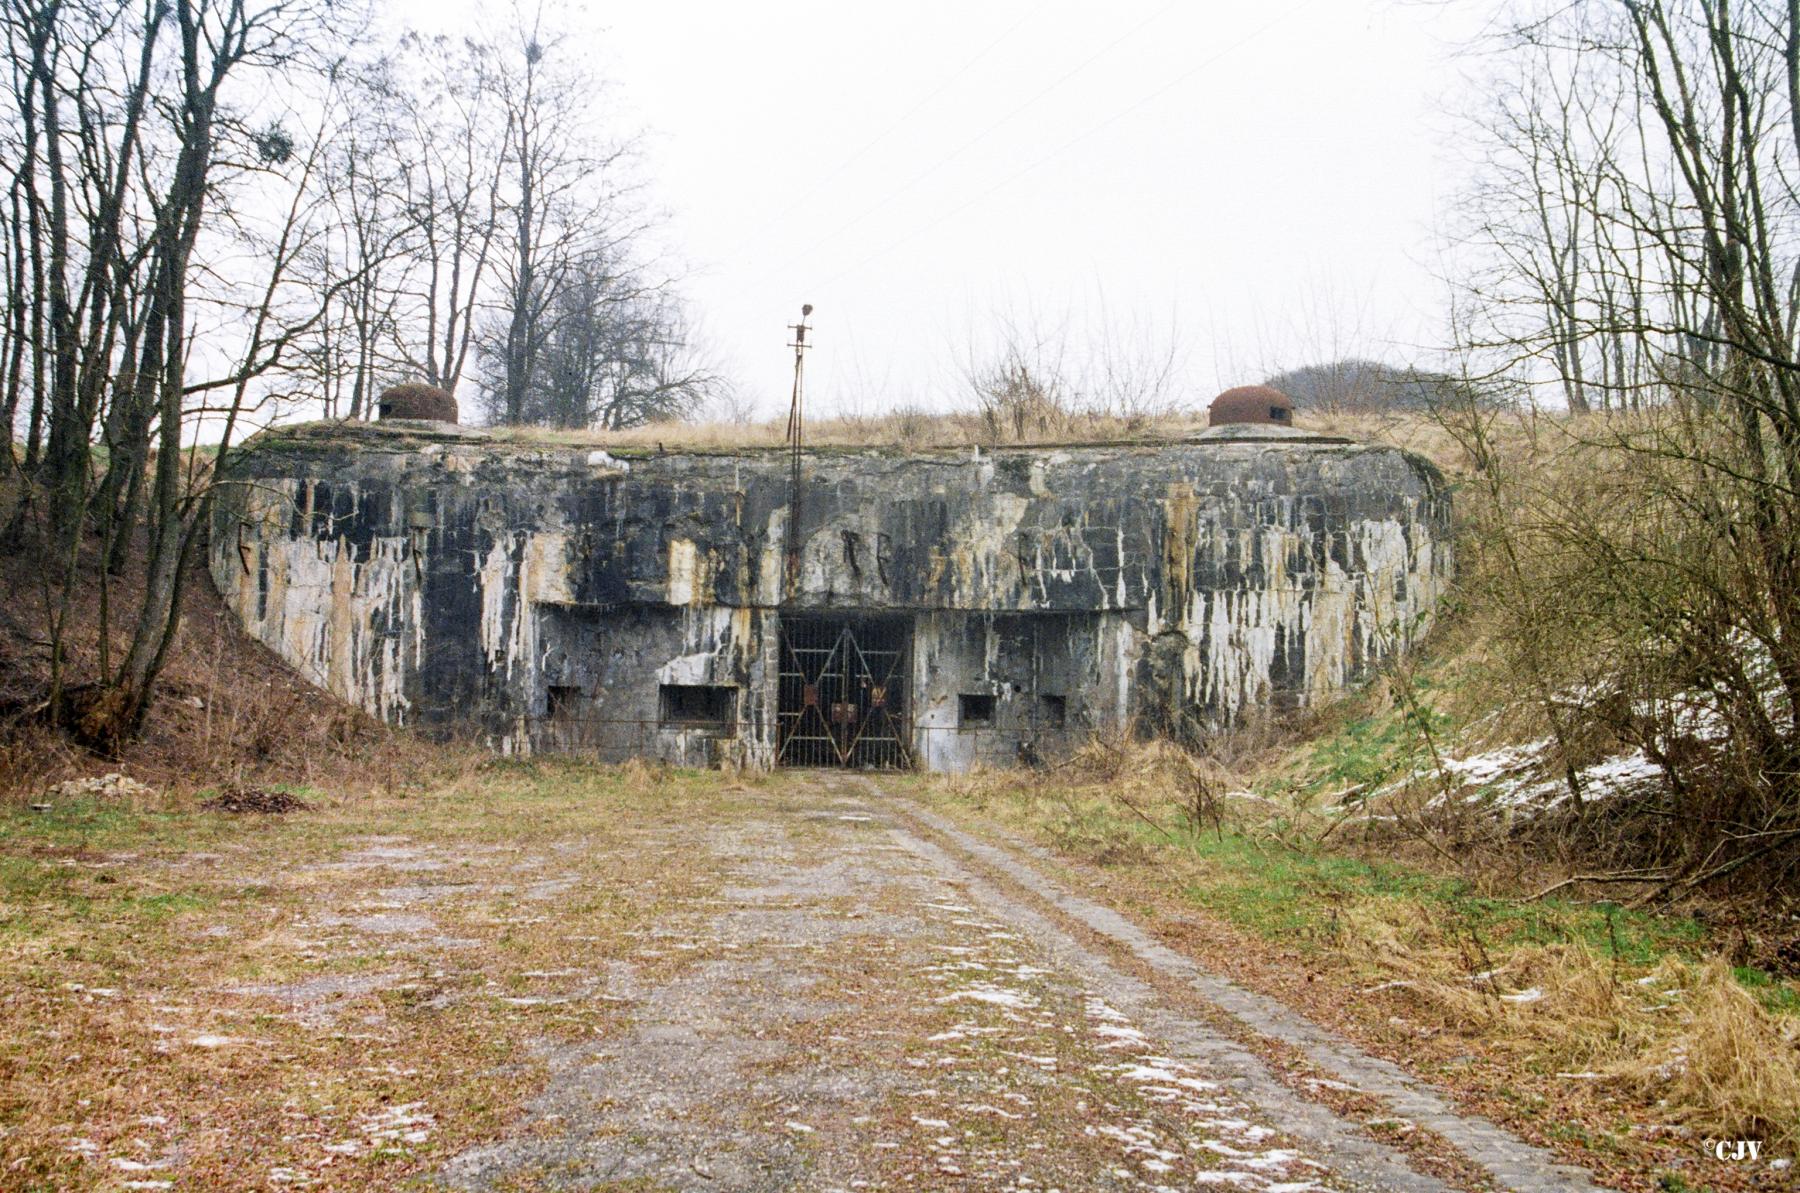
(438, 576)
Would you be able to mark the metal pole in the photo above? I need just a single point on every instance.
(796, 437)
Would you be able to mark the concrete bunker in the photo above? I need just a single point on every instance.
(934, 609)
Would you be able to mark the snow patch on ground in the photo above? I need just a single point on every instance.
(992, 995)
(1524, 778)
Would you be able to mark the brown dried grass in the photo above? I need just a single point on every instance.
(1685, 1036)
(913, 428)
(228, 712)
(1733, 1070)
(901, 429)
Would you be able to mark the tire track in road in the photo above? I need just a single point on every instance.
(1058, 918)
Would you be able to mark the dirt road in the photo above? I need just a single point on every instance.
(887, 1001)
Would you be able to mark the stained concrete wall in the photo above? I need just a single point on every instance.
(539, 595)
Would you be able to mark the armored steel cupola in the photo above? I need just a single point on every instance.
(416, 400)
(1251, 404)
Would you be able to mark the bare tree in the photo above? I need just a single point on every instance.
(610, 349)
(366, 258)
(561, 201)
(1035, 376)
(454, 144)
(140, 133)
(584, 331)
(1644, 203)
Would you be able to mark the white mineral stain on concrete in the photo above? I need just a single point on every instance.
(683, 571)
(1252, 582)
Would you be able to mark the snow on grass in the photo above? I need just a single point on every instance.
(404, 1123)
(1117, 1036)
(1524, 778)
(1164, 1073)
(984, 1108)
(992, 995)
(208, 1040)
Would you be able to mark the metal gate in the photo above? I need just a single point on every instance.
(843, 692)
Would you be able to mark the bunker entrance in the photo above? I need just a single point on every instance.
(844, 692)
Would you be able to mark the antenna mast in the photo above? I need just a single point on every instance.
(796, 438)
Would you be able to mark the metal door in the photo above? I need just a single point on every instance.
(843, 692)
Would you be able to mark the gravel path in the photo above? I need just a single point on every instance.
(884, 1001)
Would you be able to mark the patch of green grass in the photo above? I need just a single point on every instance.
(101, 824)
(1280, 892)
(1375, 749)
(69, 822)
(1295, 896)
(27, 884)
(160, 907)
(1775, 994)
(1364, 752)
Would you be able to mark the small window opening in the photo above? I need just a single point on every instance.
(1280, 414)
(562, 701)
(707, 706)
(975, 708)
(1053, 711)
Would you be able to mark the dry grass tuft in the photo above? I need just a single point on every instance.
(1733, 1069)
(638, 774)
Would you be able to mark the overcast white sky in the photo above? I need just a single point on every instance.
(1264, 178)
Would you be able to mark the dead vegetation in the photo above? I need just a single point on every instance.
(906, 428)
(1022, 423)
(1643, 1032)
(265, 801)
(228, 713)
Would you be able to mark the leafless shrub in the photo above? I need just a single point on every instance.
(1639, 569)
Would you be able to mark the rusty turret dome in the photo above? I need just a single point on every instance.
(415, 399)
(1251, 404)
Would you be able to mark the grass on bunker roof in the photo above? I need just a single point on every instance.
(345, 995)
(903, 430)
